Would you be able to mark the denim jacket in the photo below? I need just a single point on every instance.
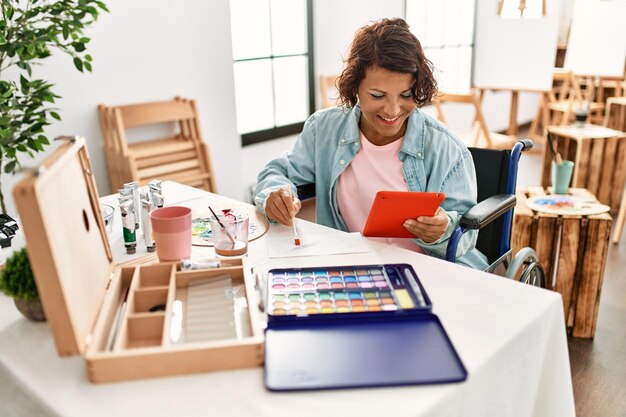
(433, 159)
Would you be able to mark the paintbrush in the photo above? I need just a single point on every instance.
(222, 226)
(296, 238)
(556, 157)
(118, 320)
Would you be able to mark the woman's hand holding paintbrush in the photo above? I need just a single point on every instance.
(281, 206)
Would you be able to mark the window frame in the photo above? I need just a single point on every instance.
(276, 132)
(443, 46)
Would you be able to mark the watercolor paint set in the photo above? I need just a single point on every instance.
(354, 326)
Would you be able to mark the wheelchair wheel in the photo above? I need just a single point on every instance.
(526, 265)
(534, 275)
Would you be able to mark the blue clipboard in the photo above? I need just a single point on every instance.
(402, 344)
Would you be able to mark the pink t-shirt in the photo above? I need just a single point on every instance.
(373, 169)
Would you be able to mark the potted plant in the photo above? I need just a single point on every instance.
(17, 281)
(29, 32)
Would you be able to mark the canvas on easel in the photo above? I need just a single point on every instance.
(515, 53)
(597, 40)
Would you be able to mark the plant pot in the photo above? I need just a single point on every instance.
(31, 309)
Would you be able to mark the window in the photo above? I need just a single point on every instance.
(445, 29)
(273, 67)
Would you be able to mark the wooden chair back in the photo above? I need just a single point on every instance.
(478, 135)
(182, 156)
(615, 116)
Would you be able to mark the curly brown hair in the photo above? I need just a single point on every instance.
(388, 44)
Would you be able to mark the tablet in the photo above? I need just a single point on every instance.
(391, 209)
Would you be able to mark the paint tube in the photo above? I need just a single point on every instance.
(187, 265)
(134, 186)
(146, 208)
(128, 225)
(156, 184)
(157, 199)
(156, 193)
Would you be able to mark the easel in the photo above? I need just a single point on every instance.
(513, 128)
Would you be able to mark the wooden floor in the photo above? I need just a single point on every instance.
(598, 365)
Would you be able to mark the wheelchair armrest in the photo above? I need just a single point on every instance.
(306, 191)
(487, 211)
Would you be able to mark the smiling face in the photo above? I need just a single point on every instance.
(386, 103)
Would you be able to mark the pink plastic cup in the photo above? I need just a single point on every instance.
(171, 229)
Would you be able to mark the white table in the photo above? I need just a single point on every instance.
(511, 338)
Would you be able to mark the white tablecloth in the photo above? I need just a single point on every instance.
(511, 338)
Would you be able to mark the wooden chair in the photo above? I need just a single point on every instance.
(478, 135)
(615, 118)
(182, 156)
(619, 224)
(559, 105)
(328, 91)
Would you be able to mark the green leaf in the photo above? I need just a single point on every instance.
(54, 115)
(37, 127)
(78, 46)
(102, 6)
(66, 32)
(10, 166)
(78, 64)
(24, 83)
(5, 133)
(25, 66)
(33, 144)
(87, 66)
(88, 58)
(9, 13)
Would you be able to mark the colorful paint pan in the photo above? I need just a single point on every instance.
(372, 288)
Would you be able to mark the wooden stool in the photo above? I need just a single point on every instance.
(599, 156)
(572, 249)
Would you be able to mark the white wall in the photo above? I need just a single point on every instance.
(147, 50)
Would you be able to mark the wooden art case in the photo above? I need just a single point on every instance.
(391, 209)
(81, 290)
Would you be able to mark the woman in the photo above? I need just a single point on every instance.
(378, 140)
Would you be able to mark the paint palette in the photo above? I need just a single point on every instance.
(345, 289)
(379, 315)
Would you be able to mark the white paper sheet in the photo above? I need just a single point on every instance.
(282, 245)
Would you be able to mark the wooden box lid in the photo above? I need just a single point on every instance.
(67, 242)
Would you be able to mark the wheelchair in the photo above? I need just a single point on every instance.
(496, 177)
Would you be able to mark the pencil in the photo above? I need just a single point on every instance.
(296, 238)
